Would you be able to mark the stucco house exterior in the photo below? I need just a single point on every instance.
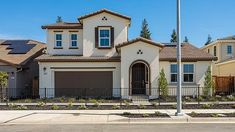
(17, 60)
(224, 50)
(94, 57)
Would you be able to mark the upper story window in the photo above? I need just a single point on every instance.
(58, 40)
(74, 40)
(173, 73)
(229, 49)
(208, 50)
(215, 51)
(188, 72)
(104, 37)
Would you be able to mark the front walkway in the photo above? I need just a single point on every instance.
(104, 117)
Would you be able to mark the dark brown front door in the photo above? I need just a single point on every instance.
(84, 83)
(139, 78)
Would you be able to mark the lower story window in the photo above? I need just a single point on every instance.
(173, 73)
(188, 72)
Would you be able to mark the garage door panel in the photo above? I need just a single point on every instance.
(84, 83)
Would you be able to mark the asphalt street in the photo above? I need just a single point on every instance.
(119, 128)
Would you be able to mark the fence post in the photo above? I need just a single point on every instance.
(198, 93)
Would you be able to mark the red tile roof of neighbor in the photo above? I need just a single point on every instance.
(19, 52)
(189, 53)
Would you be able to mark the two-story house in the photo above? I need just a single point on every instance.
(224, 50)
(93, 57)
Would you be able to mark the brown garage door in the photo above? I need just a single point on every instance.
(84, 84)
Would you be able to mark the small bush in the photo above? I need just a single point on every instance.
(11, 105)
(231, 98)
(200, 98)
(127, 104)
(126, 113)
(70, 104)
(115, 107)
(154, 104)
(215, 115)
(82, 101)
(71, 100)
(218, 97)
(193, 114)
(206, 106)
(101, 101)
(96, 104)
(173, 106)
(41, 104)
(22, 107)
(213, 99)
(62, 99)
(188, 99)
(224, 99)
(157, 113)
(82, 107)
(141, 106)
(28, 100)
(93, 101)
(145, 115)
(55, 107)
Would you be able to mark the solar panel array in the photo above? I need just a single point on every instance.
(18, 46)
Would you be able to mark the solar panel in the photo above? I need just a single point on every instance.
(18, 46)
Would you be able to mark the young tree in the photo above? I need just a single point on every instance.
(163, 85)
(3, 79)
(145, 32)
(59, 19)
(173, 36)
(209, 40)
(186, 39)
(208, 89)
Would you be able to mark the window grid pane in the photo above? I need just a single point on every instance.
(104, 38)
(229, 49)
(58, 37)
(188, 68)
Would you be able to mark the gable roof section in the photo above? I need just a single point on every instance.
(63, 25)
(137, 40)
(107, 11)
(19, 52)
(229, 60)
(189, 53)
(228, 38)
(225, 39)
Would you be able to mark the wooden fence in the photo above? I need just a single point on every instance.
(224, 84)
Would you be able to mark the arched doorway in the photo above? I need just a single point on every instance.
(139, 78)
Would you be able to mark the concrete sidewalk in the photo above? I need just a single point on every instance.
(135, 103)
(104, 117)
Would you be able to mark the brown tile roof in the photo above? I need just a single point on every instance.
(189, 53)
(104, 10)
(19, 52)
(63, 25)
(139, 39)
(77, 58)
(228, 38)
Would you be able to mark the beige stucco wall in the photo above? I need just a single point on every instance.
(227, 69)
(46, 79)
(200, 68)
(120, 33)
(66, 42)
(129, 55)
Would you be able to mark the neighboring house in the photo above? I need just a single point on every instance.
(17, 59)
(94, 57)
(224, 50)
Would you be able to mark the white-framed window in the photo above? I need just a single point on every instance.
(188, 71)
(73, 40)
(229, 49)
(58, 40)
(104, 37)
(173, 71)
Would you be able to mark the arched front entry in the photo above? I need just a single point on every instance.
(139, 78)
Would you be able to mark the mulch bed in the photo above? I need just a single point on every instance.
(220, 115)
(108, 107)
(161, 115)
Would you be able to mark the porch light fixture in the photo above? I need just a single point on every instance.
(179, 83)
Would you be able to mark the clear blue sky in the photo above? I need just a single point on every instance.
(22, 19)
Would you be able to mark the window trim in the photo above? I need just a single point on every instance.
(104, 28)
(174, 73)
(189, 73)
(229, 54)
(71, 46)
(55, 46)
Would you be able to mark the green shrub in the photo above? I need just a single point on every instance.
(224, 99)
(71, 100)
(41, 104)
(127, 104)
(218, 97)
(11, 105)
(101, 101)
(28, 100)
(70, 104)
(206, 106)
(193, 114)
(82, 107)
(213, 99)
(141, 106)
(115, 107)
(55, 107)
(200, 98)
(21, 107)
(173, 106)
(188, 99)
(215, 115)
(157, 113)
(145, 115)
(163, 85)
(93, 101)
(126, 113)
(96, 104)
(62, 99)
(82, 101)
(154, 104)
(231, 98)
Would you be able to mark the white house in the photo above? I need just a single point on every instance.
(94, 57)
